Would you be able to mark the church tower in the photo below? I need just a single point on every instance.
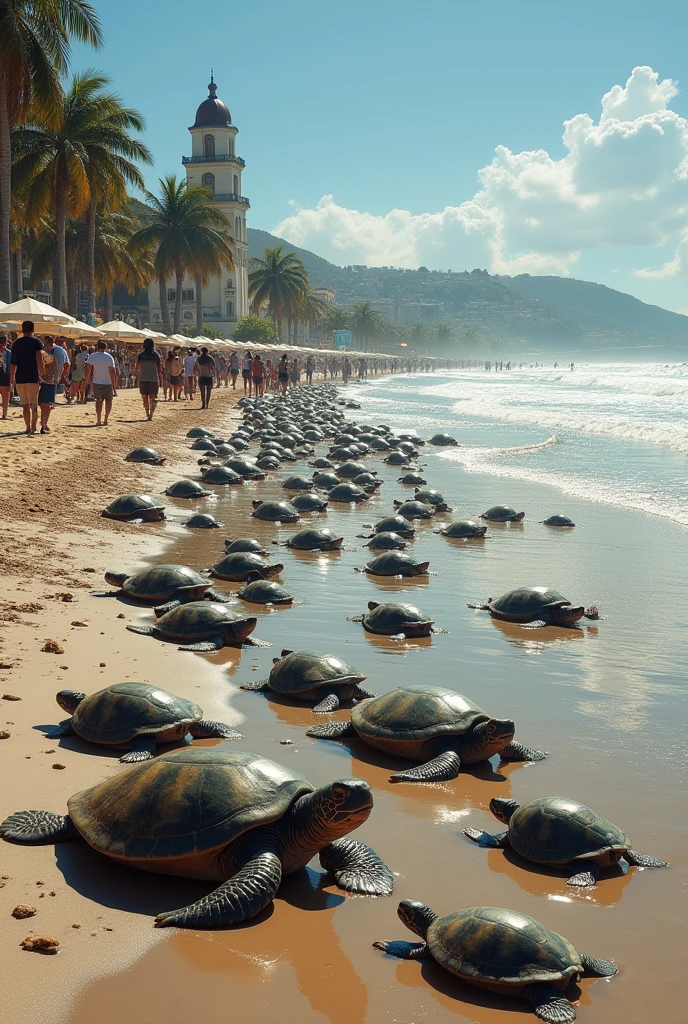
(214, 163)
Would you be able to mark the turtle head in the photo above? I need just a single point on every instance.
(372, 605)
(567, 614)
(490, 737)
(337, 809)
(503, 808)
(69, 700)
(416, 916)
(116, 579)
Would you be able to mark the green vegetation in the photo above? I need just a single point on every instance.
(255, 329)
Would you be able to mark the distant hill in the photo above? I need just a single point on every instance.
(321, 274)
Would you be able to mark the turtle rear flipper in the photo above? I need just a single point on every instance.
(63, 729)
(239, 899)
(585, 874)
(330, 702)
(38, 828)
(357, 868)
(141, 749)
(143, 630)
(210, 646)
(641, 860)
(360, 693)
(440, 769)
(206, 730)
(252, 641)
(404, 950)
(548, 1003)
(332, 730)
(259, 687)
(520, 752)
(595, 968)
(500, 841)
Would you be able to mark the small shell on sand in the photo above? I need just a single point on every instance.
(4, 734)
(40, 944)
(24, 910)
(10, 696)
(58, 765)
(78, 622)
(52, 647)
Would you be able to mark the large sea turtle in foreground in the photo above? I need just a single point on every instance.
(501, 951)
(394, 563)
(535, 607)
(204, 626)
(187, 489)
(463, 529)
(396, 620)
(312, 676)
(558, 832)
(233, 818)
(148, 455)
(135, 506)
(165, 583)
(433, 725)
(243, 566)
(275, 511)
(502, 514)
(135, 715)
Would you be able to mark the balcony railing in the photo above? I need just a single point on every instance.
(220, 158)
(230, 197)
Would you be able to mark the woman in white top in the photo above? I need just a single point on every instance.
(246, 365)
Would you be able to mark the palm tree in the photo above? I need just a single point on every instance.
(278, 279)
(34, 50)
(335, 319)
(310, 309)
(366, 323)
(187, 233)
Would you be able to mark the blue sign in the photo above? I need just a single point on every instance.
(342, 339)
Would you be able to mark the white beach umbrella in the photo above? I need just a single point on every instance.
(75, 330)
(32, 309)
(119, 330)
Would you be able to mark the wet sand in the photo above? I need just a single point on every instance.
(607, 702)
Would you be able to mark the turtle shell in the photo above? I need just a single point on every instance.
(239, 442)
(309, 502)
(199, 432)
(244, 544)
(242, 565)
(297, 483)
(342, 454)
(379, 444)
(389, 619)
(244, 468)
(275, 512)
(348, 470)
(221, 475)
(442, 440)
(119, 713)
(311, 539)
(347, 493)
(415, 510)
(429, 496)
(198, 620)
(554, 830)
(322, 463)
(394, 524)
(366, 480)
(158, 582)
(558, 521)
(496, 947)
(394, 563)
(502, 514)
(526, 603)
(268, 462)
(133, 506)
(388, 541)
(403, 720)
(326, 480)
(202, 521)
(164, 813)
(465, 528)
(397, 458)
(204, 444)
(299, 673)
(144, 455)
(265, 592)
(187, 489)
(412, 480)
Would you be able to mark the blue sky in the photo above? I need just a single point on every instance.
(388, 106)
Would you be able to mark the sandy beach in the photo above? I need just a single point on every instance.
(607, 702)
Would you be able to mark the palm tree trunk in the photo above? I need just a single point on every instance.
(164, 308)
(91, 261)
(108, 305)
(179, 277)
(199, 303)
(5, 193)
(59, 269)
(19, 266)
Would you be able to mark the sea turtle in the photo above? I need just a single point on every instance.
(394, 524)
(397, 458)
(464, 529)
(234, 818)
(386, 542)
(135, 715)
(164, 583)
(204, 626)
(379, 444)
(414, 510)
(429, 496)
(275, 511)
(314, 677)
(187, 489)
(202, 521)
(395, 620)
(307, 501)
(144, 455)
(502, 514)
(347, 493)
(265, 592)
(412, 480)
(348, 470)
(407, 448)
(244, 544)
(558, 520)
(413, 438)
(341, 454)
(322, 463)
(536, 606)
(366, 480)
(268, 462)
(244, 468)
(204, 444)
(432, 724)
(326, 480)
(394, 563)
(221, 475)
(311, 539)
(297, 483)
(239, 442)
(443, 440)
(135, 506)
(501, 951)
(240, 566)
(199, 432)
(555, 831)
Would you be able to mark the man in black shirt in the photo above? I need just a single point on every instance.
(25, 371)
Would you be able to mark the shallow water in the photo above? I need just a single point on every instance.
(607, 701)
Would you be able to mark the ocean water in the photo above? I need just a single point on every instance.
(613, 433)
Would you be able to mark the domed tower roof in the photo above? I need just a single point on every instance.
(212, 113)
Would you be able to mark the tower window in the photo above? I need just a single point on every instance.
(230, 308)
(208, 181)
(209, 147)
(237, 229)
(236, 185)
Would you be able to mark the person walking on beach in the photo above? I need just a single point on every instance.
(310, 366)
(205, 370)
(189, 379)
(101, 375)
(346, 371)
(149, 376)
(26, 364)
(55, 369)
(257, 373)
(234, 368)
(79, 374)
(5, 360)
(175, 371)
(283, 373)
(295, 373)
(246, 367)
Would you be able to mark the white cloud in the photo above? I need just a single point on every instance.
(622, 182)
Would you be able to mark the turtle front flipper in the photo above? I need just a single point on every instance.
(239, 899)
(548, 1003)
(520, 752)
(216, 595)
(641, 860)
(331, 730)
(162, 609)
(211, 646)
(500, 841)
(404, 950)
(585, 874)
(38, 828)
(330, 702)
(259, 687)
(357, 868)
(360, 693)
(141, 749)
(213, 730)
(441, 769)
(143, 630)
(595, 968)
(252, 641)
(63, 729)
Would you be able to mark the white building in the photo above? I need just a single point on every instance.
(214, 163)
